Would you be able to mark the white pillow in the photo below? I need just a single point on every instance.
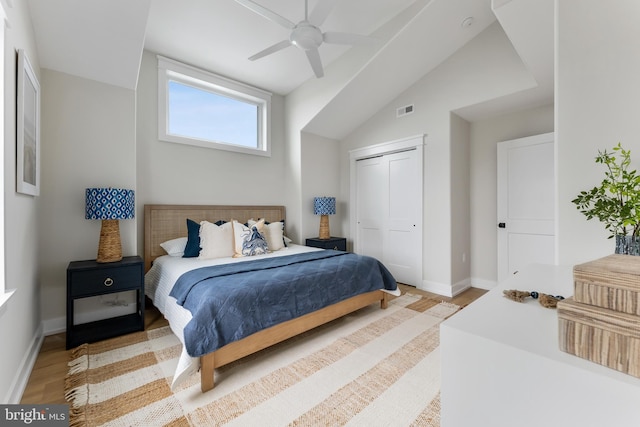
(216, 241)
(249, 241)
(273, 233)
(174, 247)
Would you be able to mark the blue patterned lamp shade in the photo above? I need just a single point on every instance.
(324, 205)
(109, 205)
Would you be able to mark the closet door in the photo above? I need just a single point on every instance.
(403, 238)
(370, 202)
(389, 212)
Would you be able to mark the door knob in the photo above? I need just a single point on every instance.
(502, 225)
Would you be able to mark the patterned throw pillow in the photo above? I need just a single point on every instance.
(248, 241)
(273, 233)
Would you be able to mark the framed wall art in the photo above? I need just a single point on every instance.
(28, 129)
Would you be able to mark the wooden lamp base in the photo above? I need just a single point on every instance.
(324, 227)
(110, 246)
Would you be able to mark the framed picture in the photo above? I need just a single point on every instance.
(28, 129)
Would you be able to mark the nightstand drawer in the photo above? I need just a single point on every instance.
(107, 280)
(335, 243)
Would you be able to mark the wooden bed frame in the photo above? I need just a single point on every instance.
(166, 222)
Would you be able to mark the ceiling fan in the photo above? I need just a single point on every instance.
(306, 34)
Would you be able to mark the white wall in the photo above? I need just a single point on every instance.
(460, 207)
(88, 140)
(597, 106)
(309, 102)
(301, 106)
(321, 178)
(20, 332)
(485, 68)
(485, 134)
(183, 174)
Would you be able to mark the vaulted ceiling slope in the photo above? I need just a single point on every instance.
(103, 40)
(100, 40)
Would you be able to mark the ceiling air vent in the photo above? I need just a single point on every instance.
(403, 111)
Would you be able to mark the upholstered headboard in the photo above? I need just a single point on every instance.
(166, 222)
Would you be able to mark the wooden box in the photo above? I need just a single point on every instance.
(611, 282)
(600, 335)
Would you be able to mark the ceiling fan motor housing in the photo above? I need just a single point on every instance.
(306, 36)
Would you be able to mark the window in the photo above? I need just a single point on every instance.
(199, 108)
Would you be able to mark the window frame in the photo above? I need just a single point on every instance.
(171, 70)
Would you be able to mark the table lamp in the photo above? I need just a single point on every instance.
(109, 205)
(324, 206)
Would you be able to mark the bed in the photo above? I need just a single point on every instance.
(164, 274)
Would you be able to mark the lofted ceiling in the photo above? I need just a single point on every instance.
(220, 35)
(103, 40)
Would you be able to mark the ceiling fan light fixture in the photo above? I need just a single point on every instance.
(306, 36)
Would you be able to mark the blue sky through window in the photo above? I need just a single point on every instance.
(197, 113)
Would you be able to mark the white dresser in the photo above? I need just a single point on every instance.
(502, 367)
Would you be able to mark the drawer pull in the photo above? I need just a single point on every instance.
(108, 281)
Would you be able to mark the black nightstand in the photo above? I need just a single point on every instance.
(90, 278)
(337, 243)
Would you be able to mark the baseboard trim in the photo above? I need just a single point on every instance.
(484, 284)
(19, 383)
(457, 288)
(460, 287)
(436, 288)
(54, 326)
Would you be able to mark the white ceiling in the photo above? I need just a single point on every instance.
(100, 40)
(103, 40)
(220, 35)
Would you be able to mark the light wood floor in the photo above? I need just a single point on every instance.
(46, 383)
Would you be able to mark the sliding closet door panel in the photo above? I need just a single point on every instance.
(403, 236)
(371, 193)
(387, 199)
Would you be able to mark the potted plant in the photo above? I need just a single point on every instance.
(616, 201)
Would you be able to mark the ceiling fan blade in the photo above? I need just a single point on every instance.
(316, 63)
(271, 49)
(270, 15)
(321, 12)
(346, 38)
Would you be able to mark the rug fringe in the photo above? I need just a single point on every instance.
(77, 417)
(79, 364)
(72, 382)
(450, 305)
(75, 382)
(78, 396)
(80, 350)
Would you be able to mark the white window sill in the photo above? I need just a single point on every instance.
(5, 297)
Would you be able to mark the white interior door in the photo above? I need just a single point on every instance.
(388, 205)
(371, 216)
(403, 241)
(526, 203)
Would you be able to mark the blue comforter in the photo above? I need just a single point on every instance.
(230, 302)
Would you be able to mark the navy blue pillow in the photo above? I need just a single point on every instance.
(192, 250)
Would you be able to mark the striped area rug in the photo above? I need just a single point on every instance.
(374, 367)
